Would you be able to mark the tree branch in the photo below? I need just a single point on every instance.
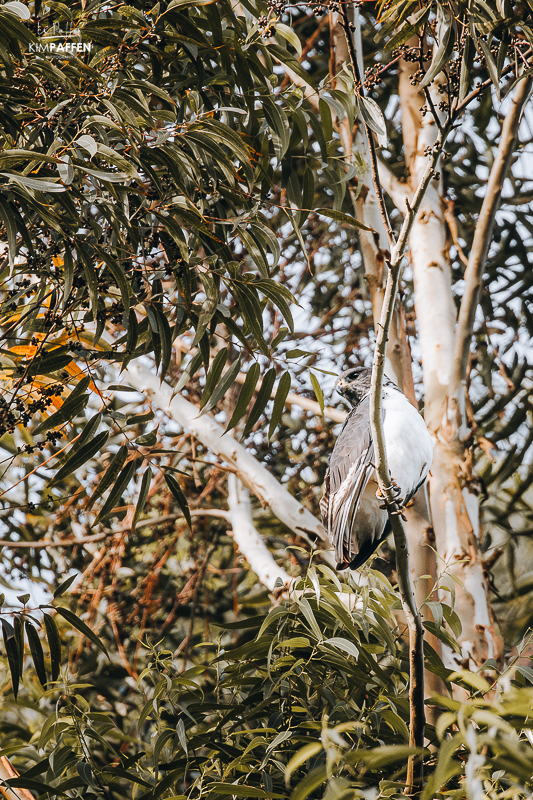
(482, 236)
(358, 79)
(258, 479)
(398, 192)
(100, 537)
(249, 541)
(414, 622)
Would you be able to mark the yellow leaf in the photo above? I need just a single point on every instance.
(57, 261)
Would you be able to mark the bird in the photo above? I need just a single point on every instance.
(353, 511)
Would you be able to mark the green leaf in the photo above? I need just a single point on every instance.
(209, 307)
(143, 495)
(245, 395)
(34, 183)
(491, 66)
(116, 492)
(408, 29)
(443, 635)
(227, 381)
(54, 644)
(19, 640)
(36, 650)
(239, 790)
(213, 375)
(80, 626)
(10, 645)
(339, 216)
(179, 497)
(11, 228)
(445, 38)
(279, 124)
(290, 36)
(62, 588)
(466, 67)
(311, 782)
(317, 390)
(78, 456)
(300, 757)
(343, 644)
(73, 405)
(190, 370)
(110, 475)
(279, 402)
(120, 279)
(372, 115)
(263, 396)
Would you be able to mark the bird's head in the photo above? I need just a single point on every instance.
(354, 384)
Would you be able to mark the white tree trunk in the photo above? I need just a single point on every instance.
(454, 500)
(249, 541)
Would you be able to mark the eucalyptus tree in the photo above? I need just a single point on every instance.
(202, 209)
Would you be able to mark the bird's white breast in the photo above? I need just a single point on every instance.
(408, 443)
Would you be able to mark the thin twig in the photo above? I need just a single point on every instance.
(359, 80)
(99, 537)
(482, 237)
(414, 621)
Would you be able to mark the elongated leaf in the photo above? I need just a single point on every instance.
(19, 639)
(466, 68)
(300, 757)
(11, 228)
(116, 492)
(408, 29)
(120, 279)
(245, 395)
(79, 456)
(279, 124)
(445, 38)
(54, 644)
(143, 494)
(36, 650)
(279, 402)
(68, 275)
(317, 390)
(372, 115)
(190, 370)
(12, 655)
(72, 406)
(80, 626)
(209, 307)
(491, 66)
(343, 644)
(62, 588)
(34, 183)
(228, 379)
(110, 475)
(339, 216)
(290, 36)
(179, 497)
(213, 375)
(263, 396)
(238, 790)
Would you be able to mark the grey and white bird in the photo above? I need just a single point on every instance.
(352, 512)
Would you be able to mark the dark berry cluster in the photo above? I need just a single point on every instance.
(276, 6)
(372, 76)
(20, 413)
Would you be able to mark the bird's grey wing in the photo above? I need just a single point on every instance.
(349, 471)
